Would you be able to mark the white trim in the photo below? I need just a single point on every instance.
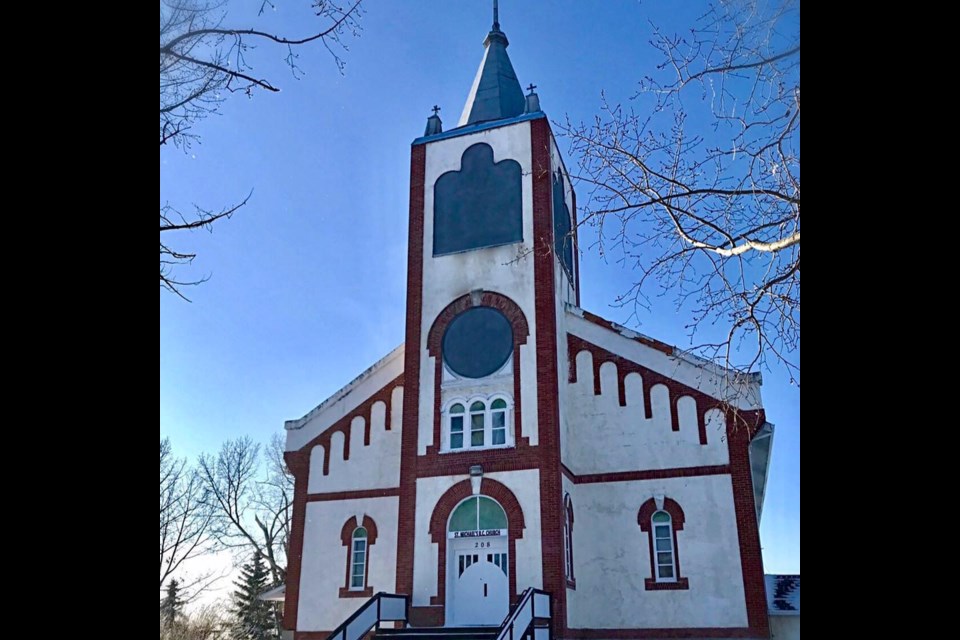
(467, 402)
(656, 552)
(353, 559)
(451, 380)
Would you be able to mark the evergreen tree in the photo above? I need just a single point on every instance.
(253, 618)
(171, 607)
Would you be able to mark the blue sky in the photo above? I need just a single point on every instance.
(307, 282)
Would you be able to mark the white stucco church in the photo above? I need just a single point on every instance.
(519, 459)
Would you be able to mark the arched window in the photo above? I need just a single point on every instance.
(568, 541)
(661, 518)
(456, 426)
(478, 513)
(663, 546)
(485, 424)
(477, 420)
(498, 423)
(358, 561)
(358, 538)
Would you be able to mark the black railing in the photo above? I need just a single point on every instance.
(529, 618)
(383, 607)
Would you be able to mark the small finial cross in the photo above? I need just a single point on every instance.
(496, 15)
(531, 87)
(436, 110)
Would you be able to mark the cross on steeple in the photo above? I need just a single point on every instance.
(531, 87)
(436, 110)
(496, 15)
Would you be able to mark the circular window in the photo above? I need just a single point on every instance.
(478, 342)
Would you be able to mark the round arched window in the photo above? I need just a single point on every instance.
(478, 342)
(478, 513)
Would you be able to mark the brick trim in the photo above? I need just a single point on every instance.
(344, 424)
(741, 427)
(411, 407)
(353, 495)
(548, 383)
(521, 330)
(644, 516)
(346, 538)
(678, 390)
(441, 515)
(298, 462)
(648, 474)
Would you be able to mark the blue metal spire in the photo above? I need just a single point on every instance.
(496, 92)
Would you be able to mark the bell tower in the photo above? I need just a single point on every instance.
(491, 265)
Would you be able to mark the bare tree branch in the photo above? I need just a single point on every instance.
(251, 496)
(705, 185)
(202, 61)
(184, 516)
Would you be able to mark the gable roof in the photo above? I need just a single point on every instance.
(327, 413)
(739, 390)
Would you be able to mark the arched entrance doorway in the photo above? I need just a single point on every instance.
(478, 566)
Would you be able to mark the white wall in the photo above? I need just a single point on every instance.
(784, 627)
(602, 436)
(374, 466)
(323, 568)
(507, 270)
(612, 557)
(695, 373)
(528, 561)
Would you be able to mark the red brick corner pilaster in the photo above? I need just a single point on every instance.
(299, 464)
(413, 345)
(552, 513)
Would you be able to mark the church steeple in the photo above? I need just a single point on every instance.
(496, 92)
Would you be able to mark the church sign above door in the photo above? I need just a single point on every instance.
(485, 533)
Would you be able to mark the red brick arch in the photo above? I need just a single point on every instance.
(521, 330)
(441, 516)
(644, 517)
(346, 537)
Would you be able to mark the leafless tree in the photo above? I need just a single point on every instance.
(251, 494)
(697, 184)
(203, 60)
(184, 517)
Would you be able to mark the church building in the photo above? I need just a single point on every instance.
(516, 443)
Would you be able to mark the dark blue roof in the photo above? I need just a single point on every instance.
(496, 92)
(783, 595)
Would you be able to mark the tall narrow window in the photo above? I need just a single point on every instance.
(477, 411)
(663, 544)
(661, 518)
(358, 562)
(456, 426)
(568, 541)
(498, 413)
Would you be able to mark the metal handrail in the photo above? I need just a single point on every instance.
(370, 615)
(526, 614)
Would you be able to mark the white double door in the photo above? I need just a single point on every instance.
(478, 583)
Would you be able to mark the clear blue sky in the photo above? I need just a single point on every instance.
(307, 282)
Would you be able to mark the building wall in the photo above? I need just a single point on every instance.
(525, 485)
(324, 560)
(507, 269)
(604, 437)
(784, 627)
(612, 557)
(373, 465)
